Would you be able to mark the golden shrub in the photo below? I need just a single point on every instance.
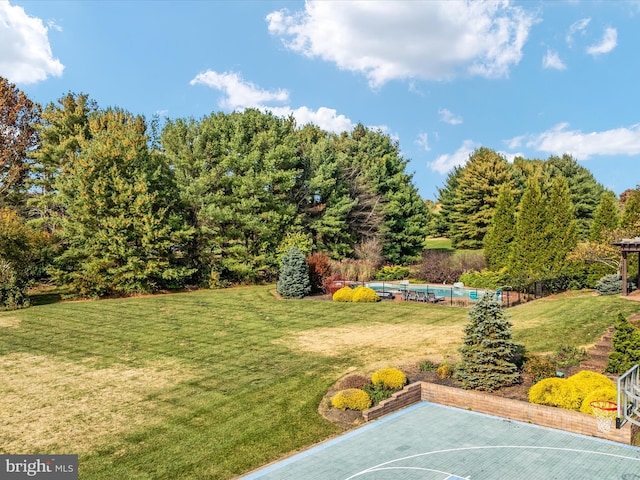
(557, 392)
(445, 371)
(586, 382)
(352, 399)
(345, 294)
(603, 393)
(365, 294)
(391, 378)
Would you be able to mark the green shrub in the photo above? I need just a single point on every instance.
(609, 285)
(445, 371)
(427, 366)
(394, 272)
(586, 382)
(569, 356)
(539, 368)
(352, 399)
(353, 381)
(377, 392)
(556, 392)
(626, 347)
(293, 281)
(389, 377)
(365, 295)
(485, 278)
(604, 393)
(345, 294)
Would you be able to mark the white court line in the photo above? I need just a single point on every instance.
(492, 447)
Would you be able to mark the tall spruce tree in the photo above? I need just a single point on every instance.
(123, 227)
(562, 235)
(447, 201)
(606, 217)
(476, 197)
(489, 354)
(293, 281)
(500, 234)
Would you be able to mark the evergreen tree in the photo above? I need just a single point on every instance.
(489, 354)
(476, 197)
(447, 201)
(500, 234)
(123, 227)
(606, 217)
(584, 190)
(293, 281)
(527, 258)
(631, 214)
(562, 235)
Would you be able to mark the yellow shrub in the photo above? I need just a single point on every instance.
(445, 371)
(391, 378)
(352, 399)
(365, 294)
(604, 393)
(345, 294)
(556, 392)
(586, 382)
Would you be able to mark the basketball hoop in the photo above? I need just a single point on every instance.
(605, 412)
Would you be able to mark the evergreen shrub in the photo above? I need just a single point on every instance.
(604, 393)
(586, 382)
(485, 278)
(392, 272)
(352, 399)
(609, 285)
(365, 295)
(377, 392)
(556, 392)
(345, 294)
(293, 281)
(626, 347)
(391, 378)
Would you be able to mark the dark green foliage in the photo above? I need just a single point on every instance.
(626, 347)
(122, 229)
(497, 241)
(377, 392)
(606, 217)
(584, 190)
(12, 290)
(293, 281)
(447, 200)
(476, 196)
(631, 214)
(561, 229)
(489, 355)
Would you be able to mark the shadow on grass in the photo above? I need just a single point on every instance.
(45, 298)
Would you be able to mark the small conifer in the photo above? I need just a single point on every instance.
(293, 281)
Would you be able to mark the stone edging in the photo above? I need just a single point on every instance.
(568, 420)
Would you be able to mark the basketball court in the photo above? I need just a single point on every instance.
(428, 441)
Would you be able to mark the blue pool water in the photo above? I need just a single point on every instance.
(448, 292)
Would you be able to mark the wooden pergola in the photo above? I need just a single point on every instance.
(627, 246)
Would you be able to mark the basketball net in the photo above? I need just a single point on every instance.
(605, 413)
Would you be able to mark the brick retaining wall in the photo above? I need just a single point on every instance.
(543, 415)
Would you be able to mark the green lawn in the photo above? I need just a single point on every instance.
(212, 384)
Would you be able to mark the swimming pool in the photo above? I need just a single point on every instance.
(448, 292)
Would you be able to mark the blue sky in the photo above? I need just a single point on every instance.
(443, 78)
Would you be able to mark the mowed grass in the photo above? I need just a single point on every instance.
(212, 384)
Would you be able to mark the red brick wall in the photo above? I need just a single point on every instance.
(553, 417)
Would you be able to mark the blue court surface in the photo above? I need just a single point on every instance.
(433, 442)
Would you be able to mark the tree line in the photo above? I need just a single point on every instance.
(111, 204)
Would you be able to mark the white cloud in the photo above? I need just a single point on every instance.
(239, 93)
(576, 27)
(559, 140)
(552, 60)
(448, 117)
(423, 141)
(387, 40)
(25, 55)
(609, 42)
(443, 163)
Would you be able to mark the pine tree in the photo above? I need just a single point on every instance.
(499, 237)
(631, 214)
(476, 197)
(293, 281)
(488, 355)
(606, 217)
(562, 235)
(123, 225)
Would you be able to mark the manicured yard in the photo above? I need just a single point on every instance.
(211, 384)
